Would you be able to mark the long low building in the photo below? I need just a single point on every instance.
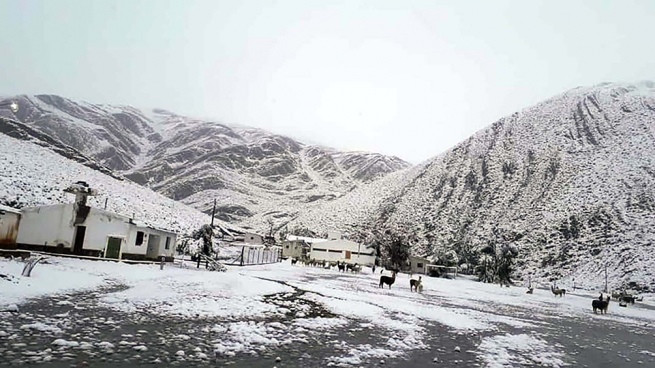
(342, 250)
(80, 229)
(69, 228)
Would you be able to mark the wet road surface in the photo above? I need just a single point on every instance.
(75, 330)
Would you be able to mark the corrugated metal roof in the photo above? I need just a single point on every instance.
(307, 239)
(9, 209)
(144, 224)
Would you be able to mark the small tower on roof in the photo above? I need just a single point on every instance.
(82, 192)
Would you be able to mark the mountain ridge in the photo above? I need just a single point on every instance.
(191, 159)
(568, 182)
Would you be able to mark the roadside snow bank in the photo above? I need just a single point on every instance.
(514, 350)
(54, 276)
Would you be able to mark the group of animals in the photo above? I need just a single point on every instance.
(314, 263)
(599, 304)
(342, 266)
(414, 285)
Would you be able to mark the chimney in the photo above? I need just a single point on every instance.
(82, 192)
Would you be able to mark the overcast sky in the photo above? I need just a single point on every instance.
(406, 78)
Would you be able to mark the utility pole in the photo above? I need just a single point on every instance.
(605, 277)
(213, 212)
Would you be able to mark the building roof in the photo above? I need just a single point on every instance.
(225, 230)
(144, 224)
(307, 239)
(138, 223)
(341, 241)
(9, 209)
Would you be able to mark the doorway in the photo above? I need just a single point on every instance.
(113, 249)
(348, 254)
(153, 246)
(78, 242)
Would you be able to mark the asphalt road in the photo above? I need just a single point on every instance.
(587, 342)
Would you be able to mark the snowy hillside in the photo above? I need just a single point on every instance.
(34, 175)
(255, 176)
(570, 181)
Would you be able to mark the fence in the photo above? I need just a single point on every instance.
(258, 255)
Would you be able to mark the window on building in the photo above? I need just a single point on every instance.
(139, 238)
(168, 243)
(251, 238)
(419, 265)
(287, 246)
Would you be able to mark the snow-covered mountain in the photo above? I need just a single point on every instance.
(255, 176)
(570, 181)
(33, 174)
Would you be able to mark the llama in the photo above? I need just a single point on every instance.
(414, 284)
(530, 290)
(557, 292)
(341, 266)
(354, 268)
(600, 304)
(293, 261)
(624, 297)
(628, 299)
(387, 280)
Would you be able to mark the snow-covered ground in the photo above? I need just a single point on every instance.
(266, 307)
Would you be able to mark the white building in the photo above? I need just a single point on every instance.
(298, 249)
(9, 224)
(333, 235)
(418, 264)
(80, 229)
(306, 239)
(62, 228)
(342, 250)
(253, 239)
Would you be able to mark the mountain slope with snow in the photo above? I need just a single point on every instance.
(35, 175)
(570, 182)
(255, 176)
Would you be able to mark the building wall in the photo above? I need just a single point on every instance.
(48, 225)
(161, 249)
(51, 226)
(130, 244)
(132, 250)
(100, 225)
(418, 265)
(336, 251)
(292, 249)
(9, 224)
(253, 239)
(334, 235)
